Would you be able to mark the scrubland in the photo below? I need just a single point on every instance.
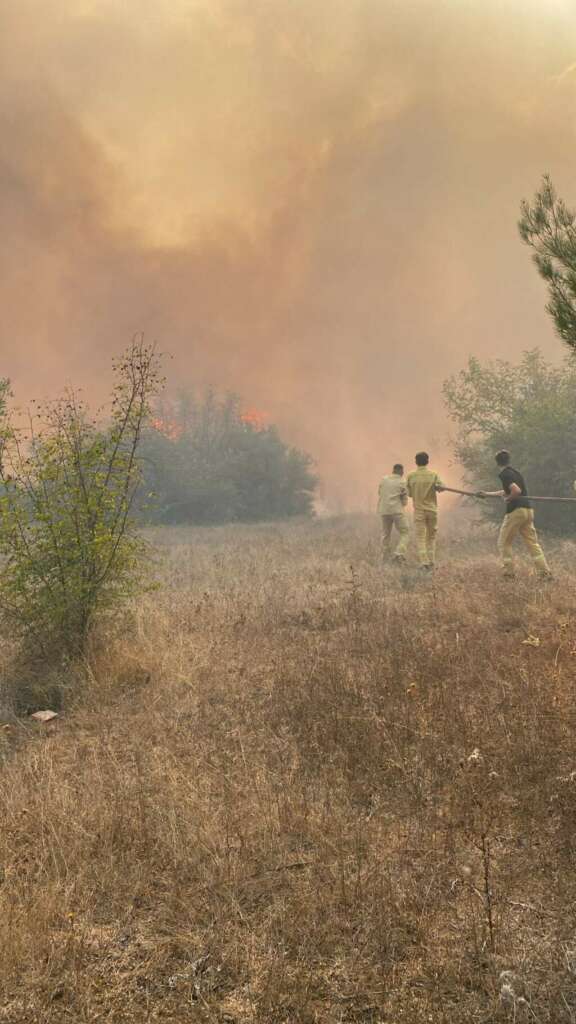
(290, 785)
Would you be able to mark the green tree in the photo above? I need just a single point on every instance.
(527, 408)
(208, 463)
(548, 226)
(68, 542)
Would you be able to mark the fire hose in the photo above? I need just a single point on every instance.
(531, 497)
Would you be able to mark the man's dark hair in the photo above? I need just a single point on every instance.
(422, 459)
(398, 468)
(502, 457)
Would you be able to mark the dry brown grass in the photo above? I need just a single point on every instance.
(266, 806)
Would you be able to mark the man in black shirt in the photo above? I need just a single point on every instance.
(519, 519)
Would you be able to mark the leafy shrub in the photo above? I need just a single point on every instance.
(68, 542)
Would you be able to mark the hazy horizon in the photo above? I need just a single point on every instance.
(313, 204)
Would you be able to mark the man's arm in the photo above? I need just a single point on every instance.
(502, 493)
(514, 492)
(439, 486)
(510, 490)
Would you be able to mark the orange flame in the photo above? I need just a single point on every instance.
(173, 429)
(255, 419)
(169, 428)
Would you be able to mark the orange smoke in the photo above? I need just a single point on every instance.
(309, 204)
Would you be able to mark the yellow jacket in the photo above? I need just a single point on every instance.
(421, 485)
(392, 495)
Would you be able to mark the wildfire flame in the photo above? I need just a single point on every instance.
(173, 429)
(168, 428)
(255, 419)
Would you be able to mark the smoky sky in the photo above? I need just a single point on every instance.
(310, 202)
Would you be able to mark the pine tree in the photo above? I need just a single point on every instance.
(548, 226)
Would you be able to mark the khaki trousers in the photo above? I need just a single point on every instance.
(520, 523)
(400, 521)
(426, 531)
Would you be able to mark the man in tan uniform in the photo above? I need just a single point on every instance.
(392, 501)
(423, 485)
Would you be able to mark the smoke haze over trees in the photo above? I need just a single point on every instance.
(321, 195)
(207, 462)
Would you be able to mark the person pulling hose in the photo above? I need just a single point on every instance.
(518, 519)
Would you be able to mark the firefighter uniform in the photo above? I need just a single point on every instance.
(422, 486)
(392, 501)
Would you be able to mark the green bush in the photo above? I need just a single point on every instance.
(528, 408)
(68, 541)
(206, 462)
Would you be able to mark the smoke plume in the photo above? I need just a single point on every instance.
(313, 204)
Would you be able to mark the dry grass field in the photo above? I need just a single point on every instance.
(292, 786)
